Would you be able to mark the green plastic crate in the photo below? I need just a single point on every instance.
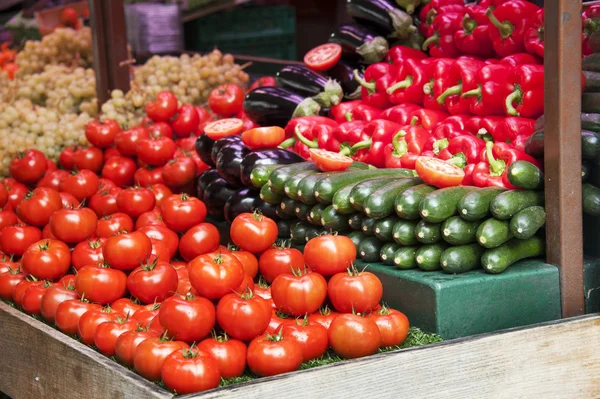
(255, 31)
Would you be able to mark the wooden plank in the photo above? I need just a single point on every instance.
(555, 360)
(99, 50)
(116, 44)
(38, 361)
(562, 158)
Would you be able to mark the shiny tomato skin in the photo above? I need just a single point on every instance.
(128, 342)
(150, 355)
(311, 337)
(266, 358)
(108, 332)
(31, 301)
(66, 157)
(161, 193)
(254, 233)
(329, 254)
(53, 297)
(438, 173)
(279, 260)
(89, 322)
(135, 200)
(277, 319)
(105, 184)
(226, 100)
(263, 137)
(152, 282)
(7, 264)
(327, 161)
(83, 184)
(102, 134)
(248, 261)
(20, 289)
(229, 353)
(323, 57)
(47, 259)
(74, 225)
(155, 151)
(354, 291)
(215, 275)
(7, 218)
(199, 240)
(29, 166)
(126, 306)
(69, 201)
(16, 192)
(186, 121)
(181, 212)
(47, 233)
(243, 316)
(90, 158)
(393, 326)
(265, 81)
(120, 170)
(162, 234)
(151, 218)
(52, 179)
(14, 240)
(324, 317)
(104, 202)
(148, 176)
(190, 370)
(68, 314)
(179, 171)
(111, 225)
(126, 251)
(184, 286)
(100, 285)
(126, 140)
(300, 293)
(188, 319)
(8, 282)
(38, 206)
(109, 153)
(163, 108)
(352, 336)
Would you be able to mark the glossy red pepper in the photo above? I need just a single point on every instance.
(263, 82)
(435, 7)
(488, 172)
(591, 23)
(440, 149)
(440, 36)
(534, 34)
(527, 92)
(450, 127)
(427, 118)
(343, 112)
(306, 122)
(408, 160)
(484, 127)
(327, 138)
(408, 83)
(461, 78)
(436, 70)
(512, 127)
(377, 78)
(491, 3)
(365, 113)
(350, 132)
(398, 54)
(468, 179)
(394, 151)
(521, 59)
(381, 130)
(493, 86)
(469, 146)
(415, 136)
(400, 113)
(508, 22)
(474, 36)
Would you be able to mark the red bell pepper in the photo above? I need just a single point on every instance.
(435, 7)
(365, 113)
(440, 37)
(491, 3)
(489, 172)
(323, 136)
(436, 70)
(398, 54)
(343, 112)
(306, 122)
(400, 114)
(534, 34)
(351, 132)
(381, 130)
(394, 151)
(416, 137)
(474, 35)
(493, 86)
(484, 128)
(408, 83)
(591, 23)
(450, 127)
(468, 179)
(408, 160)
(427, 118)
(509, 21)
(377, 78)
(527, 91)
(512, 127)
(521, 59)
(469, 146)
(461, 77)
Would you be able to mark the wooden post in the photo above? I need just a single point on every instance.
(99, 49)
(562, 159)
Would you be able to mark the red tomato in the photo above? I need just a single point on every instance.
(3, 195)
(272, 355)
(163, 108)
(263, 137)
(180, 212)
(7, 264)
(100, 284)
(16, 192)
(352, 336)
(89, 322)
(155, 150)
(311, 337)
(52, 179)
(263, 290)
(68, 314)
(187, 143)
(119, 170)
(189, 318)
(151, 218)
(7, 218)
(438, 173)
(161, 193)
(148, 176)
(147, 315)
(279, 260)
(89, 158)
(226, 100)
(109, 153)
(160, 129)
(152, 282)
(38, 205)
(323, 57)
(179, 171)
(243, 316)
(126, 251)
(8, 282)
(66, 157)
(126, 140)
(224, 127)
(105, 184)
(47, 259)
(53, 297)
(83, 184)
(229, 353)
(135, 200)
(128, 342)
(104, 202)
(324, 317)
(102, 133)
(328, 161)
(69, 17)
(247, 284)
(186, 121)
(47, 233)
(23, 286)
(14, 240)
(253, 232)
(354, 291)
(184, 286)
(265, 81)
(74, 225)
(299, 292)
(248, 261)
(108, 332)
(113, 224)
(199, 240)
(164, 235)
(329, 254)
(190, 370)
(277, 319)
(126, 306)
(31, 301)
(68, 201)
(393, 326)
(29, 166)
(215, 275)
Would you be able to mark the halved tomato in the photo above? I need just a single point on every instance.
(323, 57)
(328, 161)
(438, 173)
(223, 127)
(263, 137)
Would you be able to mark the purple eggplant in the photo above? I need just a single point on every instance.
(343, 72)
(383, 16)
(360, 44)
(302, 80)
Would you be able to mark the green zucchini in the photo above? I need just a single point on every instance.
(592, 84)
(314, 216)
(283, 228)
(367, 226)
(298, 232)
(381, 202)
(281, 175)
(590, 121)
(288, 206)
(259, 176)
(332, 220)
(406, 258)
(428, 256)
(499, 259)
(384, 228)
(290, 187)
(585, 172)
(369, 249)
(356, 237)
(507, 204)
(535, 144)
(476, 204)
(302, 211)
(591, 199)
(590, 144)
(527, 222)
(457, 231)
(386, 255)
(590, 102)
(306, 187)
(404, 232)
(591, 62)
(406, 204)
(523, 174)
(341, 199)
(493, 233)
(360, 192)
(428, 233)
(441, 204)
(461, 258)
(355, 221)
(267, 195)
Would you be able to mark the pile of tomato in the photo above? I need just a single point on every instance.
(113, 248)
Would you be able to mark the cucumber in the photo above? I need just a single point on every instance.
(591, 199)
(507, 204)
(283, 228)
(341, 199)
(499, 259)
(406, 258)
(314, 216)
(380, 203)
(386, 255)
(313, 232)
(428, 233)
(259, 176)
(461, 258)
(282, 215)
(523, 174)
(302, 211)
(369, 249)
(356, 237)
(441, 204)
(367, 225)
(267, 195)
(493, 233)
(404, 232)
(332, 220)
(326, 188)
(360, 192)
(288, 206)
(406, 204)
(384, 228)
(428, 256)
(298, 232)
(585, 172)
(306, 186)
(590, 144)
(476, 204)
(457, 231)
(527, 222)
(290, 187)
(355, 221)
(592, 84)
(279, 176)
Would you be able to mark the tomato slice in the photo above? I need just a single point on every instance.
(438, 173)
(328, 161)
(263, 137)
(323, 57)
(223, 127)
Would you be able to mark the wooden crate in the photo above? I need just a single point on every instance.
(558, 359)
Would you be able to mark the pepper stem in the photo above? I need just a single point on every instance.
(450, 91)
(458, 160)
(484, 135)
(370, 86)
(469, 24)
(439, 145)
(362, 145)
(433, 39)
(403, 84)
(497, 166)
(304, 140)
(505, 28)
(472, 93)
(515, 96)
(400, 146)
(428, 87)
(287, 143)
